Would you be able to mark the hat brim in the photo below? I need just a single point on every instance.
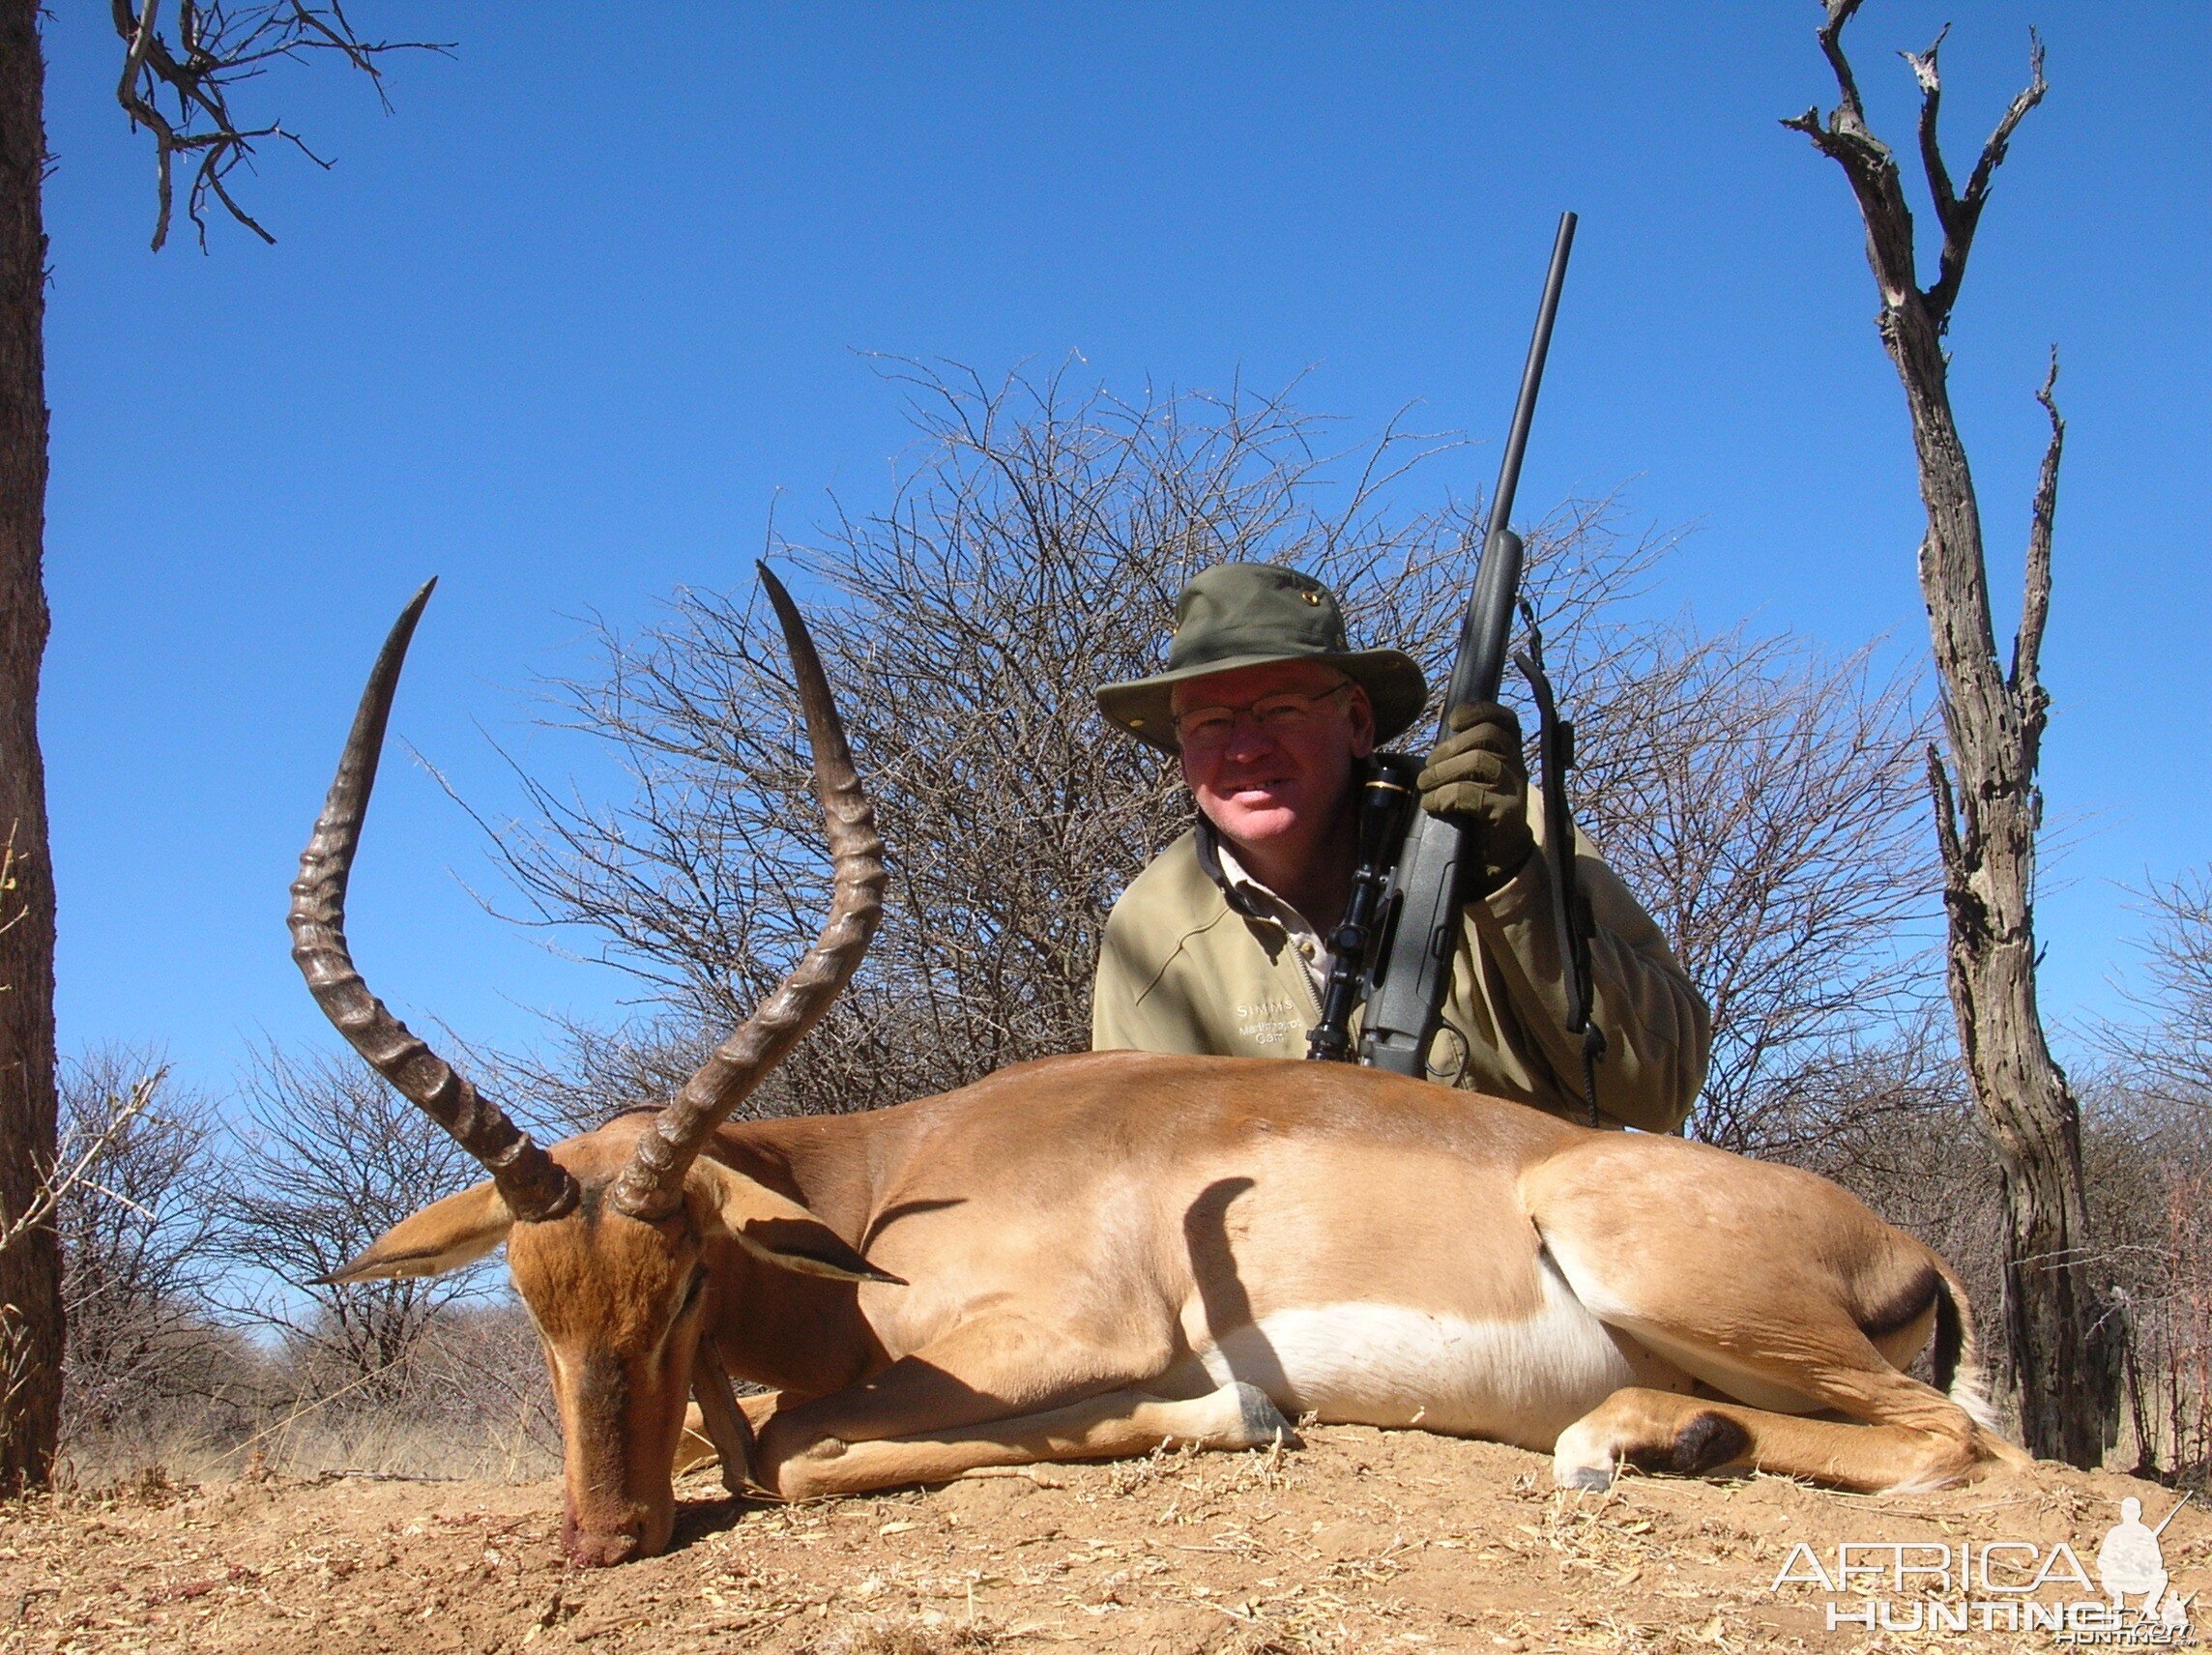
(1143, 707)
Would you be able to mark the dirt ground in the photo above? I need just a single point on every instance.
(1361, 1540)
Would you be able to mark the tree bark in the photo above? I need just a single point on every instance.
(30, 1268)
(2060, 1350)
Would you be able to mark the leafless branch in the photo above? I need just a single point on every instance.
(78, 1156)
(1944, 807)
(1924, 71)
(1960, 215)
(1755, 793)
(1871, 168)
(1831, 38)
(1867, 162)
(215, 46)
(329, 1158)
(2167, 1049)
(2026, 677)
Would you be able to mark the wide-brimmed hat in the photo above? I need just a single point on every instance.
(1249, 614)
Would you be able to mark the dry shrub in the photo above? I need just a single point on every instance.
(2148, 1154)
(147, 1364)
(1748, 787)
(440, 1374)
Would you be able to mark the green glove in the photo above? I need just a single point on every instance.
(1479, 778)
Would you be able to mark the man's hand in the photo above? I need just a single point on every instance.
(1479, 778)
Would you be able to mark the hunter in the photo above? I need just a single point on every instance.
(1218, 947)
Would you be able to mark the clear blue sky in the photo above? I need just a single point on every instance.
(562, 326)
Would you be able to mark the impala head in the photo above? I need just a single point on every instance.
(608, 1235)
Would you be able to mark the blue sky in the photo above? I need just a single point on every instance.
(564, 325)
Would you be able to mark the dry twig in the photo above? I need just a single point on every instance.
(215, 46)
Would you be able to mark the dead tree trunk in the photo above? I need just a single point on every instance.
(30, 1263)
(1988, 806)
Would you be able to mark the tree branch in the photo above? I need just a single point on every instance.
(1868, 163)
(1931, 81)
(215, 47)
(1871, 168)
(2024, 681)
(1960, 218)
(57, 1183)
(1951, 848)
(1831, 36)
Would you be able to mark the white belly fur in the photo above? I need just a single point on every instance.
(1382, 1364)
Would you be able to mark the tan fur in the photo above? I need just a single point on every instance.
(1097, 1254)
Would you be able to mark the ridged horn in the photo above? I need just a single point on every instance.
(529, 1180)
(651, 1184)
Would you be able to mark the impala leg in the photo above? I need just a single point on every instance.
(997, 1392)
(697, 1446)
(1664, 1432)
(694, 1447)
(759, 1408)
(1774, 1288)
(1116, 1425)
(730, 1429)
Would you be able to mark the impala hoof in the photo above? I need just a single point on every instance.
(1259, 1421)
(1582, 1459)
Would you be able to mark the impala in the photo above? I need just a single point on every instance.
(1091, 1256)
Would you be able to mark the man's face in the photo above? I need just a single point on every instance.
(1272, 785)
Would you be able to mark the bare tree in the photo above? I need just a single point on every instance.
(329, 1157)
(135, 1234)
(1035, 549)
(2148, 1157)
(2167, 1049)
(1752, 790)
(62, 1182)
(30, 1272)
(1988, 804)
(1757, 793)
(212, 47)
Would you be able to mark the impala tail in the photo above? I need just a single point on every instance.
(1957, 1354)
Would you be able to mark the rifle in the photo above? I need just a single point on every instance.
(1399, 932)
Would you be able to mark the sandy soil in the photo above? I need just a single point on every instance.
(1361, 1540)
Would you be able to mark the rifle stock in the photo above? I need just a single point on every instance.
(1409, 967)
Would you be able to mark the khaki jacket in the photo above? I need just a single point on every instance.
(1190, 965)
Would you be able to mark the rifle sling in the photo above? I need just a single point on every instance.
(1571, 905)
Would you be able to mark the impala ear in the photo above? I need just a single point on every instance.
(443, 1237)
(778, 1230)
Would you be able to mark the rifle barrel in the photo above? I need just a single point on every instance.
(1479, 666)
(1410, 975)
(1532, 378)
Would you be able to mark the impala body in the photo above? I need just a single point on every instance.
(1094, 1255)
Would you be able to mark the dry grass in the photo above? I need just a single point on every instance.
(375, 1445)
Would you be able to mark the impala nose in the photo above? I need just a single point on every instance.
(601, 1548)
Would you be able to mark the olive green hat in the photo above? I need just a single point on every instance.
(1249, 614)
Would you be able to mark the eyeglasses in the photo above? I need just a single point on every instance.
(1208, 729)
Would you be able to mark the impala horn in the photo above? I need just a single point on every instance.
(651, 1184)
(529, 1180)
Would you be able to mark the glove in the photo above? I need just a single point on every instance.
(1478, 779)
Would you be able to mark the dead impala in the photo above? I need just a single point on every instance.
(1096, 1255)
